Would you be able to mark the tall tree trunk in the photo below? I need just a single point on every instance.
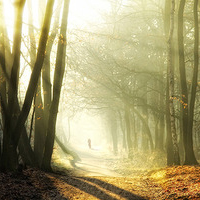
(122, 125)
(134, 132)
(183, 83)
(2, 58)
(157, 134)
(46, 80)
(169, 144)
(24, 146)
(57, 84)
(36, 71)
(189, 152)
(171, 86)
(128, 132)
(188, 107)
(9, 155)
(113, 130)
(2, 78)
(46, 77)
(161, 117)
(145, 141)
(39, 136)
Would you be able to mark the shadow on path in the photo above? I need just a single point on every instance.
(98, 188)
(112, 188)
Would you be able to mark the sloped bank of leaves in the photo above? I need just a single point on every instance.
(178, 182)
(29, 184)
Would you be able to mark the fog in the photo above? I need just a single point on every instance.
(117, 89)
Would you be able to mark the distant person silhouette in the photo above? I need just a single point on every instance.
(89, 143)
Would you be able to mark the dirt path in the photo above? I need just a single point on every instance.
(181, 182)
(95, 163)
(96, 177)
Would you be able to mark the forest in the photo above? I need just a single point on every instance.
(102, 91)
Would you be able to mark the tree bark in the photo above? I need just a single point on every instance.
(39, 136)
(128, 132)
(171, 86)
(35, 73)
(161, 117)
(13, 133)
(9, 154)
(57, 84)
(2, 59)
(46, 79)
(187, 109)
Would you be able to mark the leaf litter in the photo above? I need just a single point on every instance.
(177, 182)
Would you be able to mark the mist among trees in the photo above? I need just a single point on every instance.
(126, 71)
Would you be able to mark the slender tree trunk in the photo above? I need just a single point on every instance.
(161, 118)
(128, 132)
(39, 136)
(145, 141)
(113, 130)
(183, 83)
(66, 150)
(171, 86)
(3, 100)
(46, 74)
(146, 126)
(2, 59)
(134, 133)
(10, 152)
(189, 152)
(24, 146)
(181, 144)
(122, 125)
(57, 84)
(157, 134)
(9, 155)
(169, 144)
(46, 80)
(188, 109)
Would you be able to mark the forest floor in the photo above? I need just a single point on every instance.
(105, 179)
(181, 182)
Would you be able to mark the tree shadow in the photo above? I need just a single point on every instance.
(98, 188)
(44, 185)
(112, 188)
(28, 184)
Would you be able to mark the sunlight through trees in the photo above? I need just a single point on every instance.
(122, 74)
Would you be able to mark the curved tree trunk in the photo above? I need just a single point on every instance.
(146, 126)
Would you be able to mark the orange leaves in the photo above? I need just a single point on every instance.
(180, 100)
(182, 182)
(62, 40)
(40, 106)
